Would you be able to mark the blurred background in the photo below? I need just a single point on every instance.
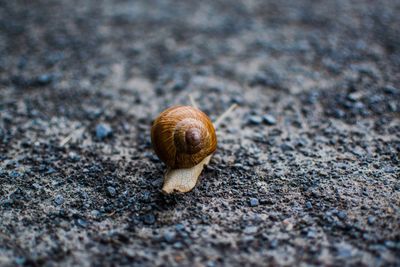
(306, 171)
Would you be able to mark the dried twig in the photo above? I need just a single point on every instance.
(70, 136)
(192, 101)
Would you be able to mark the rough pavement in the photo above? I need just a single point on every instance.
(306, 171)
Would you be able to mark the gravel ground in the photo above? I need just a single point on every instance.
(306, 171)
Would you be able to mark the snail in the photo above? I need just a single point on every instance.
(184, 138)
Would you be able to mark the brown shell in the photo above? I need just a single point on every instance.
(182, 136)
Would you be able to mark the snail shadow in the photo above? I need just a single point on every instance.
(160, 201)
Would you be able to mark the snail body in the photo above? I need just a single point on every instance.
(183, 136)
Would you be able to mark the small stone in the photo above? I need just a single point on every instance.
(20, 261)
(169, 236)
(273, 244)
(390, 89)
(288, 225)
(259, 79)
(178, 245)
(62, 213)
(59, 200)
(367, 236)
(180, 227)
(392, 106)
(95, 213)
(311, 234)
(308, 205)
(338, 113)
(269, 119)
(301, 142)
(286, 147)
(146, 197)
(136, 220)
(255, 120)
(50, 170)
(73, 156)
(149, 219)
(36, 186)
(237, 100)
(249, 230)
(254, 202)
(43, 80)
(371, 220)
(14, 174)
(103, 130)
(344, 252)
(84, 195)
(390, 244)
(353, 97)
(342, 215)
(111, 191)
(82, 223)
(388, 169)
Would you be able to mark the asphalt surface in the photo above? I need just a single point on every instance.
(307, 168)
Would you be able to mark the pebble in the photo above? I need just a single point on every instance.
(238, 100)
(73, 156)
(249, 230)
(391, 244)
(254, 202)
(146, 197)
(389, 169)
(301, 142)
(103, 130)
(255, 120)
(169, 236)
(392, 106)
(180, 227)
(43, 79)
(308, 205)
(178, 245)
(37, 186)
(20, 260)
(259, 79)
(14, 174)
(286, 147)
(50, 170)
(371, 220)
(59, 200)
(390, 89)
(342, 215)
(149, 219)
(269, 119)
(95, 213)
(111, 191)
(82, 223)
(311, 234)
(353, 97)
(338, 113)
(273, 244)
(344, 252)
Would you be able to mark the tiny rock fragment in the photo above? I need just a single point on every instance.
(103, 131)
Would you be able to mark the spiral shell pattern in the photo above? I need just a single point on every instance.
(182, 136)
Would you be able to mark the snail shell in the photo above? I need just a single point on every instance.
(182, 136)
